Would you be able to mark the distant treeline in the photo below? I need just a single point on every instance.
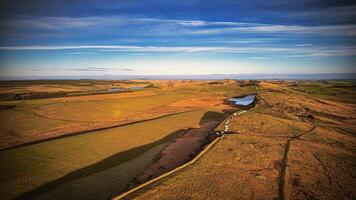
(248, 83)
(81, 82)
(47, 95)
(215, 83)
(32, 95)
(7, 107)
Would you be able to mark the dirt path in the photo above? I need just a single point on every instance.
(282, 176)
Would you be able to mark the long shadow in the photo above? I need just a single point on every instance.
(114, 160)
(107, 163)
(212, 116)
(91, 130)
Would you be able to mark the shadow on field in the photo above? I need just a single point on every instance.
(108, 163)
(212, 116)
(229, 111)
(105, 164)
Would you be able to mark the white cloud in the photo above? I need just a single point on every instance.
(61, 23)
(301, 51)
(336, 30)
(260, 58)
(171, 26)
(60, 47)
(303, 45)
(81, 53)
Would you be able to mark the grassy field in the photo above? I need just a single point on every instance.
(293, 145)
(333, 90)
(30, 120)
(297, 143)
(111, 157)
(64, 159)
(71, 86)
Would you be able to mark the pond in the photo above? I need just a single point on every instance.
(125, 89)
(136, 88)
(116, 89)
(242, 101)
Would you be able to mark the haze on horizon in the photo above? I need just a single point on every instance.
(96, 38)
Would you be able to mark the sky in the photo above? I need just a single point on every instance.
(186, 37)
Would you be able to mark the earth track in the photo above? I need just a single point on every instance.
(282, 178)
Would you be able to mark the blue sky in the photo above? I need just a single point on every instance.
(80, 38)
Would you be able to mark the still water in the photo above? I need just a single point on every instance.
(243, 101)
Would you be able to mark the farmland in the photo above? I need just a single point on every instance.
(32, 120)
(115, 137)
(298, 142)
(292, 145)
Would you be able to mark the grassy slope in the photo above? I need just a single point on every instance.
(119, 152)
(45, 118)
(293, 146)
(26, 168)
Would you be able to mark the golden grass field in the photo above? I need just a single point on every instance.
(36, 168)
(297, 143)
(36, 119)
(293, 145)
(48, 161)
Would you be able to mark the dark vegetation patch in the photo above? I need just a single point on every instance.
(47, 95)
(82, 82)
(7, 107)
(22, 94)
(215, 83)
(151, 86)
(244, 83)
(31, 95)
(330, 88)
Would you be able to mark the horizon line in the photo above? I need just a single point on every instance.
(253, 76)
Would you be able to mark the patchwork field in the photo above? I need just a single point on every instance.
(298, 142)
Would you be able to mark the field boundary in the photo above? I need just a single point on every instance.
(95, 129)
(125, 194)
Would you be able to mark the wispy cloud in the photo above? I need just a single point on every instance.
(88, 69)
(171, 26)
(81, 53)
(296, 51)
(61, 23)
(260, 58)
(93, 69)
(336, 30)
(303, 45)
(60, 47)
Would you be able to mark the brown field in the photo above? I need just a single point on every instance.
(121, 134)
(32, 120)
(293, 145)
(298, 142)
